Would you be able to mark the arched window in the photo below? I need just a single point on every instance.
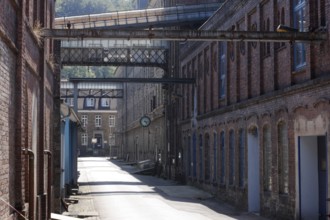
(223, 158)
(200, 157)
(268, 43)
(282, 16)
(207, 158)
(222, 69)
(267, 159)
(283, 158)
(231, 157)
(215, 159)
(241, 161)
(299, 21)
(282, 21)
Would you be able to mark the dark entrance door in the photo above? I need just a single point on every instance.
(99, 141)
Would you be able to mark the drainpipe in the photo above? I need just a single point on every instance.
(29, 153)
(49, 181)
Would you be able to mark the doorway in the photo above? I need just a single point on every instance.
(312, 175)
(253, 171)
(99, 140)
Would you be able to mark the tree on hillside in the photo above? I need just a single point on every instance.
(87, 72)
(85, 7)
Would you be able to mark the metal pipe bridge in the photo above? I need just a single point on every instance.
(153, 17)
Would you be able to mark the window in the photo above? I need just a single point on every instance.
(322, 13)
(215, 167)
(223, 158)
(194, 143)
(153, 102)
(223, 69)
(207, 158)
(90, 102)
(200, 157)
(69, 101)
(98, 121)
(231, 158)
(111, 121)
(84, 139)
(283, 158)
(265, 47)
(84, 120)
(300, 24)
(105, 102)
(241, 162)
(267, 162)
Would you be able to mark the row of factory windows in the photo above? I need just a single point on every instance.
(84, 140)
(230, 161)
(98, 120)
(90, 102)
(227, 50)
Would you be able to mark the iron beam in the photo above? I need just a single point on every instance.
(186, 35)
(136, 80)
(84, 96)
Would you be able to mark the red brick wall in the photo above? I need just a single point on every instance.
(262, 88)
(7, 128)
(22, 69)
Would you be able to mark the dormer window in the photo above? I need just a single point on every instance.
(90, 102)
(105, 102)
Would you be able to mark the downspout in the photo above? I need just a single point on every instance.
(49, 181)
(29, 153)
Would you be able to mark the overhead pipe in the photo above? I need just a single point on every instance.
(30, 154)
(49, 181)
(186, 35)
(144, 18)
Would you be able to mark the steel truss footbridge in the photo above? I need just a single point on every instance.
(100, 51)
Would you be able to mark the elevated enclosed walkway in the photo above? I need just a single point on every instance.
(154, 17)
(114, 56)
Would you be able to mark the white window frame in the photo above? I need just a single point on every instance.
(90, 102)
(98, 121)
(84, 120)
(105, 102)
(112, 121)
(69, 101)
(84, 139)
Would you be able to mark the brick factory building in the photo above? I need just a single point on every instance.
(254, 130)
(98, 121)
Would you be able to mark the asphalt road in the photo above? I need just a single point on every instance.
(118, 195)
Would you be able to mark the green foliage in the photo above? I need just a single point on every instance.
(85, 7)
(87, 72)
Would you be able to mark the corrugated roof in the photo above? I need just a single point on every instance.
(92, 85)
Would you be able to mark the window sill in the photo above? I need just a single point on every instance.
(299, 70)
